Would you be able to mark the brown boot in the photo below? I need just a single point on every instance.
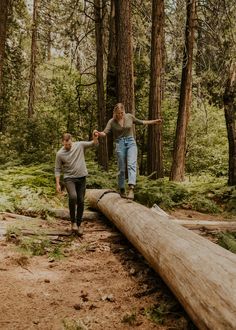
(131, 192)
(122, 193)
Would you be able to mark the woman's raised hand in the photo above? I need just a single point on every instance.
(99, 134)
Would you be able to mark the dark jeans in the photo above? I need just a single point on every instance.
(76, 191)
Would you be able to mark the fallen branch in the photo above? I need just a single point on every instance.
(206, 225)
(5, 215)
(27, 232)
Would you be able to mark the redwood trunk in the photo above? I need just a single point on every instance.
(102, 150)
(178, 164)
(125, 54)
(111, 97)
(230, 118)
(31, 98)
(4, 5)
(155, 152)
(201, 274)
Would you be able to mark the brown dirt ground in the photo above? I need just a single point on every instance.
(101, 283)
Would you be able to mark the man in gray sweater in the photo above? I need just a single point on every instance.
(71, 162)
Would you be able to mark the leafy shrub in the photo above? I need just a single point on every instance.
(202, 204)
(35, 246)
(162, 192)
(227, 241)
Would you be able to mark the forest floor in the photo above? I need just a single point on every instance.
(98, 281)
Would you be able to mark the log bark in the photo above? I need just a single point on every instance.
(201, 274)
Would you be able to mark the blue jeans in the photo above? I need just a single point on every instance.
(126, 150)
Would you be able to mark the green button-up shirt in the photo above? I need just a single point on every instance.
(122, 131)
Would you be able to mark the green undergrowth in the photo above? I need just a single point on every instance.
(28, 190)
(161, 314)
(130, 318)
(36, 245)
(204, 193)
(71, 324)
(31, 190)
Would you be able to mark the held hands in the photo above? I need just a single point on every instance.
(95, 133)
(98, 134)
(95, 136)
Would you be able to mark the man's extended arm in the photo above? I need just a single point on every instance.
(58, 186)
(58, 173)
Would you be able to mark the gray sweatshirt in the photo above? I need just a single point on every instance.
(71, 162)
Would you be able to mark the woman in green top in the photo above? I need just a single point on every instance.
(121, 125)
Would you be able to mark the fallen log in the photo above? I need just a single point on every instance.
(64, 214)
(201, 274)
(206, 225)
(57, 213)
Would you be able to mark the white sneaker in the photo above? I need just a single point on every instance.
(74, 226)
(80, 231)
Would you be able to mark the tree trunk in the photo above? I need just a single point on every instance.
(4, 5)
(125, 68)
(111, 97)
(155, 150)
(201, 274)
(178, 164)
(102, 150)
(230, 118)
(49, 39)
(33, 61)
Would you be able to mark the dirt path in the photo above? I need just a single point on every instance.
(101, 283)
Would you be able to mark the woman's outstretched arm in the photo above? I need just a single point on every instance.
(152, 122)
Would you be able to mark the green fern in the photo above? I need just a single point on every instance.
(228, 241)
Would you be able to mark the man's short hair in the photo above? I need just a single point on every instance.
(66, 137)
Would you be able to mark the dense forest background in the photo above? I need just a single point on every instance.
(62, 69)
